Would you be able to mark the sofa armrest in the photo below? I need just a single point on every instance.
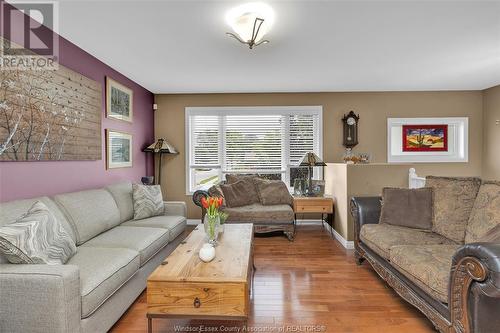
(197, 195)
(474, 285)
(39, 298)
(177, 208)
(364, 210)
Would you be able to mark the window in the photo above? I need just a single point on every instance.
(264, 140)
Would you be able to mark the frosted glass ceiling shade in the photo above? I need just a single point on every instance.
(242, 19)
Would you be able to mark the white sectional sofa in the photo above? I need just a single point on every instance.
(115, 255)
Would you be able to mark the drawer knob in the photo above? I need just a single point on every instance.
(197, 302)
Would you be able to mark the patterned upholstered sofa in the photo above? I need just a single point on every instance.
(452, 272)
(265, 218)
(115, 255)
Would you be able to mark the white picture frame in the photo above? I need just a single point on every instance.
(458, 141)
(118, 149)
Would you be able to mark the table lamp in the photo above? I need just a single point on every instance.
(310, 160)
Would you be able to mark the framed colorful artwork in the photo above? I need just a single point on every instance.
(118, 101)
(428, 140)
(118, 149)
(425, 137)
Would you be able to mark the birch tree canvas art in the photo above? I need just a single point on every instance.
(49, 115)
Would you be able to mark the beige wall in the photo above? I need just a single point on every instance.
(491, 131)
(373, 108)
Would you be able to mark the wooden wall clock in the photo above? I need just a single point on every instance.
(350, 121)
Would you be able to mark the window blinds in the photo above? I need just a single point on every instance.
(253, 143)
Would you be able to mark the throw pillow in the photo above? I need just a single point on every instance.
(453, 202)
(36, 238)
(485, 215)
(273, 192)
(241, 193)
(148, 201)
(216, 191)
(233, 178)
(410, 208)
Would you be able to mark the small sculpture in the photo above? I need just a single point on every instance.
(207, 252)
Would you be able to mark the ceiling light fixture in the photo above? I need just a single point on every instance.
(250, 22)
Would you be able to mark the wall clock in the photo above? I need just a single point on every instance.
(350, 129)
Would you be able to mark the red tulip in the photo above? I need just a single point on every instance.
(204, 202)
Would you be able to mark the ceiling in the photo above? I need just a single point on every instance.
(181, 46)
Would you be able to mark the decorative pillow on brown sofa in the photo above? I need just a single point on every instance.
(241, 193)
(453, 202)
(410, 208)
(273, 192)
(232, 178)
(484, 221)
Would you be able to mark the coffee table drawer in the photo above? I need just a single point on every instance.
(191, 298)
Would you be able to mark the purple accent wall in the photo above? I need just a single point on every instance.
(30, 179)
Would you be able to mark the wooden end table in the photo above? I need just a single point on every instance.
(185, 287)
(322, 205)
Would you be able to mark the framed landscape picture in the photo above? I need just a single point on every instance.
(428, 140)
(118, 101)
(118, 149)
(425, 137)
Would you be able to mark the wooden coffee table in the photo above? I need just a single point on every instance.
(185, 287)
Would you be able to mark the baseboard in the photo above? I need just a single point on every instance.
(349, 245)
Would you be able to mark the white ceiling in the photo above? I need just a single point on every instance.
(181, 46)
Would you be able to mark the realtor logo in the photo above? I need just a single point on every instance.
(29, 35)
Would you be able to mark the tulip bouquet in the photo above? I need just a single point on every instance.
(211, 220)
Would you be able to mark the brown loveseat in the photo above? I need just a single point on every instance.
(452, 272)
(265, 217)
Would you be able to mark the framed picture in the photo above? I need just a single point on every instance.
(118, 101)
(427, 140)
(118, 149)
(425, 137)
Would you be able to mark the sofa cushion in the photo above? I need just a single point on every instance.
(453, 201)
(148, 201)
(146, 241)
(410, 208)
(382, 237)
(485, 214)
(175, 224)
(89, 212)
(426, 266)
(273, 192)
(122, 193)
(240, 193)
(102, 272)
(257, 213)
(36, 237)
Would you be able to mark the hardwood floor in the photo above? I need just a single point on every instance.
(311, 281)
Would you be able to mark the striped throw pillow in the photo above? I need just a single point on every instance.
(36, 238)
(148, 201)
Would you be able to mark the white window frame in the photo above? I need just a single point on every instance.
(247, 110)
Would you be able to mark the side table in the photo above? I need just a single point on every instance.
(321, 205)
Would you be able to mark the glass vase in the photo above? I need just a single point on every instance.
(211, 223)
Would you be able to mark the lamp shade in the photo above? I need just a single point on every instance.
(311, 159)
(161, 146)
(242, 18)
